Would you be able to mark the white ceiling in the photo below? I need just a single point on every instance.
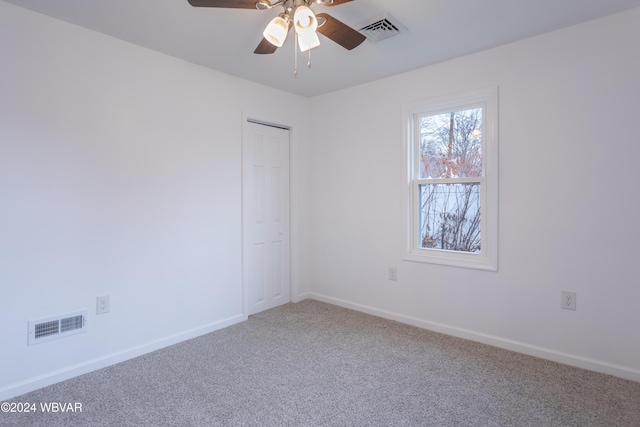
(224, 39)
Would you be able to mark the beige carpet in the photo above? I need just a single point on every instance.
(314, 364)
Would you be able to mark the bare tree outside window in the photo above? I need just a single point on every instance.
(450, 153)
(451, 172)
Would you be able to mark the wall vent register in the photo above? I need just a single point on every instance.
(54, 327)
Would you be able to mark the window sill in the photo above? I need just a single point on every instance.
(453, 259)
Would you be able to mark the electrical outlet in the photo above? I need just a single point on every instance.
(568, 300)
(393, 274)
(103, 304)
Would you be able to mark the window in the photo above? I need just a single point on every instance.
(451, 186)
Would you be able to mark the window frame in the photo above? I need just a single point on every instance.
(487, 258)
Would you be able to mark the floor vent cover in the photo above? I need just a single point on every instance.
(381, 27)
(49, 328)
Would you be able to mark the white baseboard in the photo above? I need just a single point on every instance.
(519, 347)
(35, 383)
(301, 297)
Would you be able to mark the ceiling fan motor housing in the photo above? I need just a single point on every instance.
(293, 4)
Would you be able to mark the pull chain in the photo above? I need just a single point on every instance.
(295, 57)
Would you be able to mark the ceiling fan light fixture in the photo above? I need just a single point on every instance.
(276, 31)
(307, 40)
(304, 20)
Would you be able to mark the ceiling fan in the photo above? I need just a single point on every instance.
(297, 14)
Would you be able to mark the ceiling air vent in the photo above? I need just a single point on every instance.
(381, 27)
(49, 328)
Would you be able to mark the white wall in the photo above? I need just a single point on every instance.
(569, 147)
(120, 174)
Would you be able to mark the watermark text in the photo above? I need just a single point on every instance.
(24, 407)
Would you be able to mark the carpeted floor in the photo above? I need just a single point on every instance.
(314, 364)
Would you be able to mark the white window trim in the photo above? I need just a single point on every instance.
(487, 259)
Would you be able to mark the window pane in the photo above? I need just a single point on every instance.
(450, 217)
(451, 144)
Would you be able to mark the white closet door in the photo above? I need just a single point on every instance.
(266, 257)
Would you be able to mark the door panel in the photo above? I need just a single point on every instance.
(266, 254)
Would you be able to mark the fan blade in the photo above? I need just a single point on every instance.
(235, 4)
(336, 2)
(265, 47)
(340, 33)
